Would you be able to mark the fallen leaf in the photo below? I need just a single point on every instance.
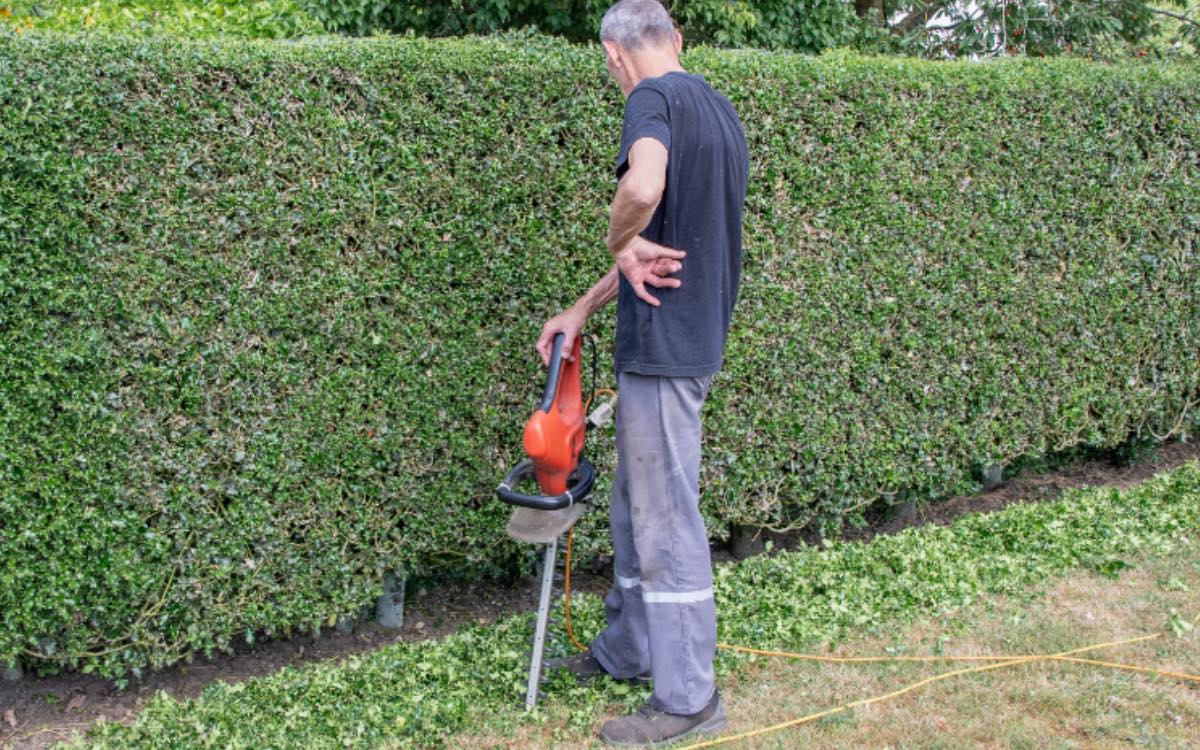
(10, 718)
(77, 702)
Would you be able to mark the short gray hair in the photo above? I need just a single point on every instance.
(629, 23)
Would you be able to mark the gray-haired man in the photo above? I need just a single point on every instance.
(675, 225)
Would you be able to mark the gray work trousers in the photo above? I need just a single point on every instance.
(660, 610)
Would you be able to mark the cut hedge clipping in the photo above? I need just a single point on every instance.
(267, 310)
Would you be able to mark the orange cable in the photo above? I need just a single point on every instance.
(597, 391)
(1130, 668)
(567, 592)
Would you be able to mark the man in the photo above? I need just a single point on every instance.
(675, 226)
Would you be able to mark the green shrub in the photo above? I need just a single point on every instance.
(575, 21)
(267, 310)
(270, 19)
(810, 26)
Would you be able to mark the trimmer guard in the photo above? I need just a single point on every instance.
(542, 526)
(579, 488)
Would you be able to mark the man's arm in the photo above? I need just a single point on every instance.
(601, 293)
(638, 193)
(571, 321)
(637, 197)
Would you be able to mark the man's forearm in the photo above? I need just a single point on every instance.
(601, 293)
(629, 215)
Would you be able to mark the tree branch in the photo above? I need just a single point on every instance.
(918, 17)
(1176, 16)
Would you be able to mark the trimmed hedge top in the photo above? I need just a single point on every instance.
(267, 310)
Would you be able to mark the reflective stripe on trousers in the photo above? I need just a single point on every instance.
(660, 610)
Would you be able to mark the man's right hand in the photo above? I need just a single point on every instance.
(644, 262)
(569, 322)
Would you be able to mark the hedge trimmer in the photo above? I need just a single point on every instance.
(554, 443)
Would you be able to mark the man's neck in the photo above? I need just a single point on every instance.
(652, 63)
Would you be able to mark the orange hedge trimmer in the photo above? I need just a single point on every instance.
(554, 443)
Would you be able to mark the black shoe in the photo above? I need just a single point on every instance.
(650, 727)
(586, 667)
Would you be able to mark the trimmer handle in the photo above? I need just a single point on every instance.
(555, 370)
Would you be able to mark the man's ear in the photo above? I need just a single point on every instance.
(614, 53)
(678, 41)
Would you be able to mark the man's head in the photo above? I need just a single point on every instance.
(640, 40)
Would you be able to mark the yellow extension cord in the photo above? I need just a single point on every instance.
(999, 662)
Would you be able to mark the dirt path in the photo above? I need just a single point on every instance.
(37, 712)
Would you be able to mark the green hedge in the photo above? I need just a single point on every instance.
(267, 309)
(425, 694)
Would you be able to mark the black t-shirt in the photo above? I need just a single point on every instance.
(700, 213)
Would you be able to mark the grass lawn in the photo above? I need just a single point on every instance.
(1047, 705)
